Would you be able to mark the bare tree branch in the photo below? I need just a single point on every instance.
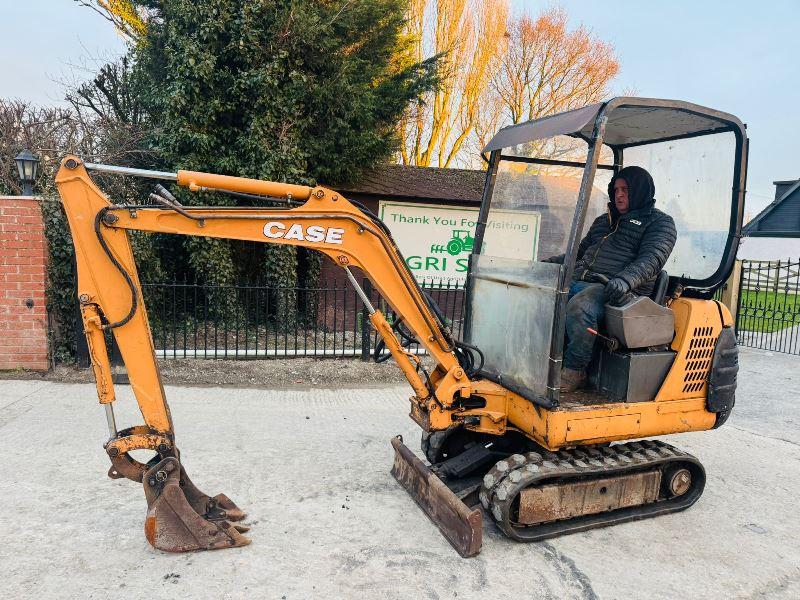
(128, 18)
(498, 71)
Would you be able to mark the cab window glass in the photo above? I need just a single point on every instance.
(533, 205)
(694, 182)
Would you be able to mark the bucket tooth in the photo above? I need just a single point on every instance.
(218, 507)
(173, 524)
(458, 523)
(232, 512)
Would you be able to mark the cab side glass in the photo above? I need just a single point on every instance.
(694, 183)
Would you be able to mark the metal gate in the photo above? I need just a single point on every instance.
(769, 305)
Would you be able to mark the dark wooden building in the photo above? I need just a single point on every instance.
(774, 234)
(417, 185)
(782, 217)
(423, 185)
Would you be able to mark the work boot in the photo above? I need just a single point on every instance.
(572, 379)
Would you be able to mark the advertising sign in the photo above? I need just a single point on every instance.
(436, 241)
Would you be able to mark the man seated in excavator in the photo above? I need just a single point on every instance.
(627, 248)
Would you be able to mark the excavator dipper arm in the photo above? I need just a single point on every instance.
(180, 517)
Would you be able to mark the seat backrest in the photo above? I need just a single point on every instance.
(659, 292)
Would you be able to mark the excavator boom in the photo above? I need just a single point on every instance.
(110, 297)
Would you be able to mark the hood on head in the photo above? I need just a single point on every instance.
(641, 189)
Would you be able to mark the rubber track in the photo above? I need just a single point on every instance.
(504, 482)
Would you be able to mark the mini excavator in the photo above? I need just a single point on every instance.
(498, 433)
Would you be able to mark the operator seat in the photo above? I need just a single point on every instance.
(659, 293)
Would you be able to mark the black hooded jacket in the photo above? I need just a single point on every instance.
(634, 246)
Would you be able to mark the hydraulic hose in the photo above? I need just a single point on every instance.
(128, 280)
(466, 354)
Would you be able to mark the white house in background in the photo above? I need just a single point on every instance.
(774, 234)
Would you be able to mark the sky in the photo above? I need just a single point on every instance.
(45, 41)
(737, 56)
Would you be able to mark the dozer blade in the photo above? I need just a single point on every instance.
(173, 523)
(459, 524)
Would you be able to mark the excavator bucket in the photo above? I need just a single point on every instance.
(461, 525)
(180, 518)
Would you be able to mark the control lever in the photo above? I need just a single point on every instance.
(613, 344)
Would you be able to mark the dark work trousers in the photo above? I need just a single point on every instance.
(585, 308)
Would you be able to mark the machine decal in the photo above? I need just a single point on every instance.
(313, 233)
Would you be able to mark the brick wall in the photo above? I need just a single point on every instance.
(23, 313)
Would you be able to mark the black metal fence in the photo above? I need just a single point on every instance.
(190, 320)
(769, 305)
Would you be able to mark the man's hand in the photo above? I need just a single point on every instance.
(616, 290)
(558, 259)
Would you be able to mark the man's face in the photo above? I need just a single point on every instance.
(621, 195)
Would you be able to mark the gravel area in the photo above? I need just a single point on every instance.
(271, 373)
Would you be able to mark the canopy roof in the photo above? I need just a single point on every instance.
(631, 121)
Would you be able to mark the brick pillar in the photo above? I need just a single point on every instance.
(23, 313)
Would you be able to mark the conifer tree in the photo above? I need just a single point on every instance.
(301, 91)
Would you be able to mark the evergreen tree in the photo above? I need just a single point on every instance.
(288, 90)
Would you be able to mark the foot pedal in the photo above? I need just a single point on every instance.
(173, 522)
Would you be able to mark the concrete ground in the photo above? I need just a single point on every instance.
(311, 467)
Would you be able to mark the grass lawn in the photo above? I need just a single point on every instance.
(768, 311)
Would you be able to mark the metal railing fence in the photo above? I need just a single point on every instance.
(768, 314)
(195, 320)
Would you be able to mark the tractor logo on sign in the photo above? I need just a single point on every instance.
(461, 241)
